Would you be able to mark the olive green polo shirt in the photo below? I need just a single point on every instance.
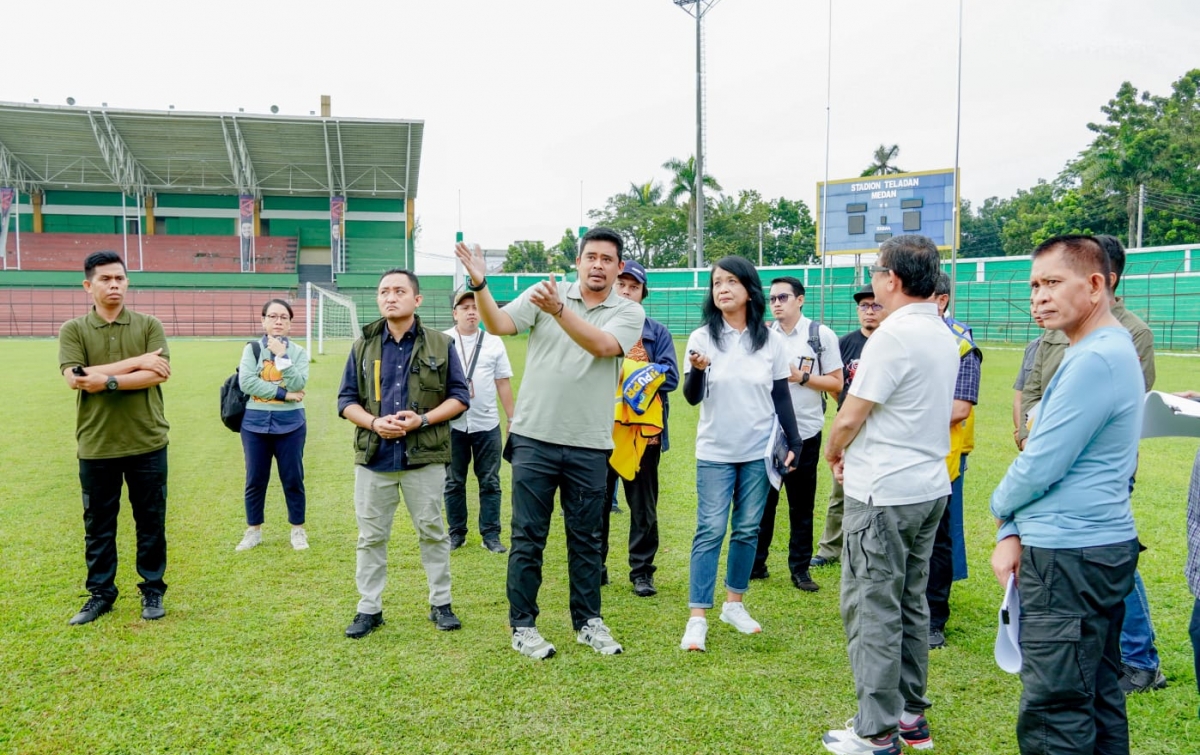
(113, 424)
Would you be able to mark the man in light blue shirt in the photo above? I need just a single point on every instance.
(1066, 527)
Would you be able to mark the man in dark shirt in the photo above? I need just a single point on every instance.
(829, 550)
(402, 385)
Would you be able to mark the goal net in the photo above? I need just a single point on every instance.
(330, 316)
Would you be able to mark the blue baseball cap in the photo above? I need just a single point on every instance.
(634, 270)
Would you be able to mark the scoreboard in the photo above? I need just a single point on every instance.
(864, 212)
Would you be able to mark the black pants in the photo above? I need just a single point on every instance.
(641, 493)
(941, 575)
(801, 487)
(1072, 606)
(287, 450)
(485, 447)
(101, 479)
(1194, 633)
(540, 469)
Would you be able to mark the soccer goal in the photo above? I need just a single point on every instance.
(330, 316)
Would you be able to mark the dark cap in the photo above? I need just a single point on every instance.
(462, 295)
(863, 293)
(634, 270)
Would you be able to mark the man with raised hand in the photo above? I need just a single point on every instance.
(476, 432)
(1066, 528)
(401, 387)
(116, 359)
(562, 435)
(816, 365)
(888, 445)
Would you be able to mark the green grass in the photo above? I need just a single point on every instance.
(251, 657)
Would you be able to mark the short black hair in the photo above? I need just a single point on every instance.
(97, 259)
(1116, 255)
(942, 287)
(412, 278)
(1084, 254)
(599, 233)
(916, 262)
(791, 280)
(282, 303)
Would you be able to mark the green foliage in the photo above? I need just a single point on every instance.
(533, 257)
(882, 164)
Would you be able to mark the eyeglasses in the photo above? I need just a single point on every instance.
(277, 318)
(878, 269)
(781, 298)
(870, 307)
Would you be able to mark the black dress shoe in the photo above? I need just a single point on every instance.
(937, 639)
(444, 617)
(364, 624)
(643, 587)
(457, 541)
(152, 608)
(804, 582)
(494, 545)
(759, 572)
(94, 608)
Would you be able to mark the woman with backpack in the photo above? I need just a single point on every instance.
(273, 373)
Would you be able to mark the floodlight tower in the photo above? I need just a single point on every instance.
(698, 9)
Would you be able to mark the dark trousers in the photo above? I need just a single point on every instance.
(101, 480)
(801, 487)
(287, 449)
(485, 446)
(1072, 605)
(641, 494)
(1194, 633)
(941, 561)
(540, 469)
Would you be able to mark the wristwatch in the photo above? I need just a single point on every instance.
(424, 422)
(805, 378)
(111, 383)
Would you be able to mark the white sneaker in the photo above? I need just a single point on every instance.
(735, 615)
(252, 538)
(695, 634)
(596, 636)
(299, 538)
(848, 742)
(528, 641)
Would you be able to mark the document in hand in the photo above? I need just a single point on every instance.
(1008, 631)
(776, 457)
(1166, 414)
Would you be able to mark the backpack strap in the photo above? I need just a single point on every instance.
(814, 343)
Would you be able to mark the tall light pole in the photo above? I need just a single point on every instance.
(698, 9)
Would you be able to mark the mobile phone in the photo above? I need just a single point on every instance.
(79, 371)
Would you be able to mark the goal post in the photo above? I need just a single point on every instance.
(329, 315)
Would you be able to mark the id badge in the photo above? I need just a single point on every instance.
(806, 364)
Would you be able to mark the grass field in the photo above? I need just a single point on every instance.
(251, 657)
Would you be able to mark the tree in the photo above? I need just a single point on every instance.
(530, 257)
(883, 161)
(653, 230)
(683, 186)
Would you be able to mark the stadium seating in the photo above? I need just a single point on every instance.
(162, 253)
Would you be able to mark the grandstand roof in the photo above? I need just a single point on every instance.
(140, 151)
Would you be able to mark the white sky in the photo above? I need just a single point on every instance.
(524, 100)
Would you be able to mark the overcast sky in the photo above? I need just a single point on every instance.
(526, 101)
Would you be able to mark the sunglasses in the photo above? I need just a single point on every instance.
(870, 307)
(781, 298)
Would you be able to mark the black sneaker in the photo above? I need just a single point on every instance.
(803, 581)
(818, 561)
(643, 587)
(457, 541)
(1135, 680)
(152, 608)
(759, 572)
(937, 639)
(494, 545)
(444, 617)
(94, 608)
(364, 624)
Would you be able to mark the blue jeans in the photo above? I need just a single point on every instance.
(729, 496)
(1137, 633)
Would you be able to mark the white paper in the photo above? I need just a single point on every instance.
(1169, 415)
(778, 440)
(1008, 630)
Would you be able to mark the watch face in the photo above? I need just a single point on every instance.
(111, 384)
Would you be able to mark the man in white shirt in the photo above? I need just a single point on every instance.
(477, 431)
(816, 367)
(888, 445)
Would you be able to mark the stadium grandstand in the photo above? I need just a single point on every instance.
(212, 212)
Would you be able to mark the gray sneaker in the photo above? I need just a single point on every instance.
(528, 641)
(251, 539)
(596, 635)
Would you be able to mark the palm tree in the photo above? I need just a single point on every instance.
(683, 186)
(883, 161)
(647, 194)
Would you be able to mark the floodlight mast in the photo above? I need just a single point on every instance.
(698, 9)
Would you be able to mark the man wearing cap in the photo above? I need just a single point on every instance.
(816, 367)
(641, 493)
(476, 432)
(850, 347)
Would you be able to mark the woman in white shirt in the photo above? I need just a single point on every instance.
(737, 371)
